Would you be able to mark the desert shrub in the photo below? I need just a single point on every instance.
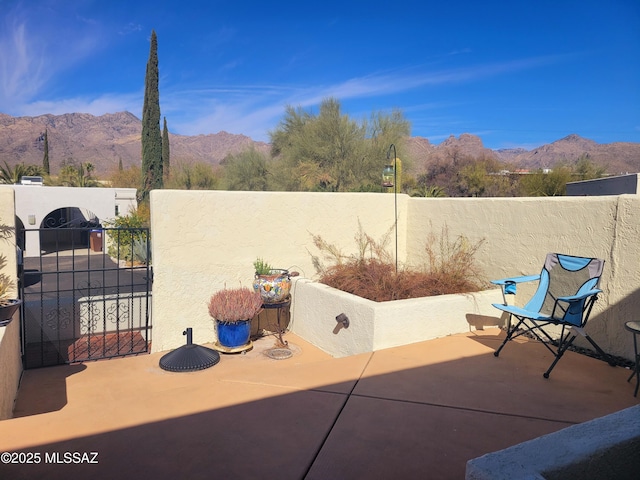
(454, 260)
(371, 272)
(128, 241)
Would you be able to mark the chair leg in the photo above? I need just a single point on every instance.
(510, 332)
(562, 347)
(497, 352)
(605, 356)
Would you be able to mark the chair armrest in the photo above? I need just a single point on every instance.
(508, 285)
(526, 278)
(582, 296)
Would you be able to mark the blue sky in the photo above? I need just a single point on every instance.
(517, 74)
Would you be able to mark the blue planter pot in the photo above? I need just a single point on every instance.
(233, 335)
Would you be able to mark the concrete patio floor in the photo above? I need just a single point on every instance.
(417, 411)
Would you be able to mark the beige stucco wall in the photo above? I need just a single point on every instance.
(519, 232)
(10, 361)
(203, 240)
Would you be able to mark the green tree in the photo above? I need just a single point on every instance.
(483, 177)
(444, 172)
(166, 152)
(197, 176)
(543, 183)
(151, 136)
(45, 158)
(129, 178)
(472, 180)
(330, 151)
(246, 171)
(585, 169)
(460, 175)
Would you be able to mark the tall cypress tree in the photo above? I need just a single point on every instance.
(45, 158)
(151, 137)
(166, 153)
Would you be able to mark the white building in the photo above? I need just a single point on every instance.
(39, 207)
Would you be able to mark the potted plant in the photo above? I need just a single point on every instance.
(8, 304)
(273, 284)
(232, 310)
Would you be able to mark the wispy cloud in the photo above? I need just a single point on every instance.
(254, 110)
(22, 64)
(30, 57)
(29, 62)
(131, 27)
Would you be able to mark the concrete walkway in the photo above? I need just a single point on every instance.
(418, 411)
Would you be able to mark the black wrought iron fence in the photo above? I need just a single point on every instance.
(86, 294)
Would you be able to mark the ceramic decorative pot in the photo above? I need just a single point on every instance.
(274, 287)
(232, 335)
(7, 311)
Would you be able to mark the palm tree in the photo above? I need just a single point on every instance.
(78, 175)
(13, 175)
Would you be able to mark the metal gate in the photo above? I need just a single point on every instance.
(86, 296)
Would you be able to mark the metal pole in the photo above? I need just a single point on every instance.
(395, 194)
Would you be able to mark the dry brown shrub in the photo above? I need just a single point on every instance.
(371, 273)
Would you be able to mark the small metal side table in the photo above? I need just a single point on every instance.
(280, 307)
(634, 327)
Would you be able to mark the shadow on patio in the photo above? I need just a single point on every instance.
(417, 411)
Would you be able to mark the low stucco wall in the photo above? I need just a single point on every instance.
(379, 325)
(204, 240)
(10, 360)
(606, 447)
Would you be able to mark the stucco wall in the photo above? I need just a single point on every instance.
(10, 361)
(203, 240)
(519, 232)
(606, 447)
(379, 325)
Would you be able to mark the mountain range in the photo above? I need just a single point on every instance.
(108, 139)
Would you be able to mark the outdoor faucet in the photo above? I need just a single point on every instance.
(343, 319)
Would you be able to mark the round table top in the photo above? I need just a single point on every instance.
(633, 326)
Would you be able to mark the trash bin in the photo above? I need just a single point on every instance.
(95, 240)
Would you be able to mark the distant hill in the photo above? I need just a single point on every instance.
(105, 140)
(617, 158)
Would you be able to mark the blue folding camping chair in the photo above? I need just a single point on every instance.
(567, 290)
